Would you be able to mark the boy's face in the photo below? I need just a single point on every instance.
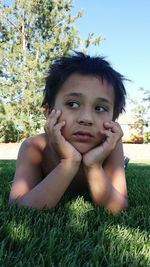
(86, 103)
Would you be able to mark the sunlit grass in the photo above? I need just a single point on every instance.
(76, 233)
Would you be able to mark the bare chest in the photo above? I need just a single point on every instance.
(78, 184)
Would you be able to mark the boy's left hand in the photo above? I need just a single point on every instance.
(97, 155)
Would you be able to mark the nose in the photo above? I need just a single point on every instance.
(85, 118)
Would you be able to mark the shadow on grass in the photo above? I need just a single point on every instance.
(76, 233)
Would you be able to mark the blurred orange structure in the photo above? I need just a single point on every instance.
(132, 132)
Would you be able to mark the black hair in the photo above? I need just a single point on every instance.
(62, 67)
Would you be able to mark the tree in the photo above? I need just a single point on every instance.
(141, 112)
(32, 33)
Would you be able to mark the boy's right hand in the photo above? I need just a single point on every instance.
(65, 150)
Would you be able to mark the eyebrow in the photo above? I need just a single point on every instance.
(100, 99)
(74, 94)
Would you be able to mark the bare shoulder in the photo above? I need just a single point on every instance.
(33, 148)
(28, 167)
(38, 141)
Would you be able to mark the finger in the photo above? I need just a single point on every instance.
(111, 137)
(52, 119)
(58, 126)
(106, 133)
(116, 128)
(54, 115)
(57, 130)
(113, 126)
(107, 125)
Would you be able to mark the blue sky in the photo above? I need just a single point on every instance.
(125, 25)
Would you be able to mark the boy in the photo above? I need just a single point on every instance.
(81, 148)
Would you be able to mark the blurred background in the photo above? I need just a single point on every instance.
(32, 33)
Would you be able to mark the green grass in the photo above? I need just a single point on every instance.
(76, 233)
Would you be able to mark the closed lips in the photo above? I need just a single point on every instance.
(83, 134)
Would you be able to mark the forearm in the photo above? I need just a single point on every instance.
(49, 191)
(102, 191)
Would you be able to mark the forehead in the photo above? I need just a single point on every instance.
(87, 85)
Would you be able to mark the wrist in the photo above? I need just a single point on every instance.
(93, 166)
(70, 163)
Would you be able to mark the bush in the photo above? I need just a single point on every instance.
(8, 132)
(15, 130)
(146, 137)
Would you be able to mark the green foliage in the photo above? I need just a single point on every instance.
(32, 33)
(147, 137)
(75, 232)
(141, 110)
(8, 131)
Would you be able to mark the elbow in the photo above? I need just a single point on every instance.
(25, 202)
(19, 201)
(113, 207)
(118, 207)
(12, 200)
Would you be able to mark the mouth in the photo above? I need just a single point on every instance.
(84, 133)
(82, 136)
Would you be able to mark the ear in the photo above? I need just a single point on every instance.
(46, 110)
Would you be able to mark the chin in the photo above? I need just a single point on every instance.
(82, 148)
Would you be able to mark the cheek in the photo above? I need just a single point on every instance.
(102, 120)
(100, 125)
(66, 129)
(99, 137)
(64, 117)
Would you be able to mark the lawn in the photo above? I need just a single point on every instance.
(76, 233)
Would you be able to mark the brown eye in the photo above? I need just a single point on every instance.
(73, 104)
(100, 109)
